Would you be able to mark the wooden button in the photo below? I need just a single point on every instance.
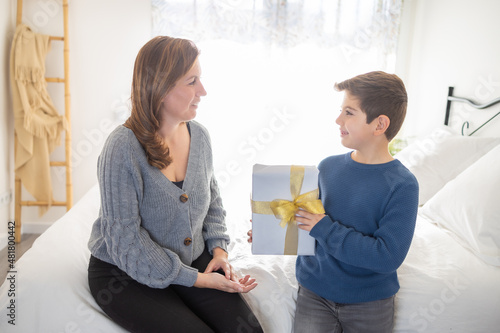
(184, 197)
(188, 241)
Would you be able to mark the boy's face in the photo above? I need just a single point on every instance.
(355, 133)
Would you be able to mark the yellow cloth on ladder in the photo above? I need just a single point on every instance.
(37, 123)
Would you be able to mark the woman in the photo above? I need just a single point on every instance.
(159, 260)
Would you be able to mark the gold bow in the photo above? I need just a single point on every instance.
(286, 209)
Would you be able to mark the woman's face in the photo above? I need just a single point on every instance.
(181, 102)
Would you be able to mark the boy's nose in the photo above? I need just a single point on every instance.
(338, 121)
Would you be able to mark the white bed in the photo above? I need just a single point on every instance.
(450, 280)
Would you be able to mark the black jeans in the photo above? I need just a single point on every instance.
(139, 308)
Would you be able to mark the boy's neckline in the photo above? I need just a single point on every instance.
(378, 161)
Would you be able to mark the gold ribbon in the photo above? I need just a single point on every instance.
(286, 209)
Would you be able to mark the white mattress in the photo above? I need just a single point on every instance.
(444, 287)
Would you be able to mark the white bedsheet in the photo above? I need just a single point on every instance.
(444, 287)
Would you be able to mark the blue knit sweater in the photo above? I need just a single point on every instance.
(144, 225)
(371, 212)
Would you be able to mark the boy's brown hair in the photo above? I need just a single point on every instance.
(379, 93)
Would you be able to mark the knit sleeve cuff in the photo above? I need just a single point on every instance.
(187, 276)
(213, 243)
(322, 228)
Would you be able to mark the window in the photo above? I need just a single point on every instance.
(269, 68)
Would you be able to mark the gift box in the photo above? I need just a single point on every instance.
(278, 192)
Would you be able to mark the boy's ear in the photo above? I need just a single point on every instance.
(383, 123)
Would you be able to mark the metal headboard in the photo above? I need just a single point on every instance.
(452, 98)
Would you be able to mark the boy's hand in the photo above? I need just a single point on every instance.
(249, 234)
(307, 221)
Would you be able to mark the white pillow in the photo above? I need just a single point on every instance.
(442, 156)
(469, 207)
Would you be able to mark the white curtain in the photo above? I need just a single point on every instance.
(269, 67)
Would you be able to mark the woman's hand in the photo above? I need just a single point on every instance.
(220, 261)
(219, 282)
(228, 282)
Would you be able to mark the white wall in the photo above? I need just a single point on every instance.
(105, 37)
(449, 43)
(7, 22)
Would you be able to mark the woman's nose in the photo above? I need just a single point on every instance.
(201, 90)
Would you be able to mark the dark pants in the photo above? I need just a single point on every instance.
(317, 314)
(139, 308)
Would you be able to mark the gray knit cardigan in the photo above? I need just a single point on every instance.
(143, 222)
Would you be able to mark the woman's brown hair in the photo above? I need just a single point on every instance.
(160, 63)
(379, 93)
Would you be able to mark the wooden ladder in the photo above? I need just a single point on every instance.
(67, 112)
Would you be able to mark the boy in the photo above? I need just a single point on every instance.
(371, 203)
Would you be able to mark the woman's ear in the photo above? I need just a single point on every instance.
(383, 123)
